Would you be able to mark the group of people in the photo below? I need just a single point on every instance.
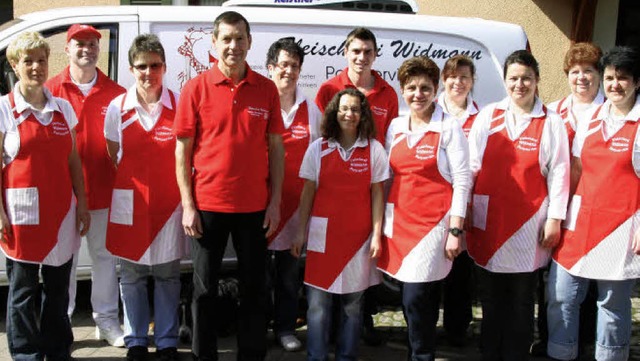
(448, 190)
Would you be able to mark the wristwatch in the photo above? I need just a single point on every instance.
(455, 231)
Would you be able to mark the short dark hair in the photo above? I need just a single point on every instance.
(331, 128)
(623, 59)
(418, 66)
(456, 62)
(285, 44)
(362, 34)
(229, 17)
(522, 57)
(582, 53)
(145, 43)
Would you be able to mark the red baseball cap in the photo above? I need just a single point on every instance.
(82, 31)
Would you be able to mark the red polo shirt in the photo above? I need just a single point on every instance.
(383, 100)
(229, 124)
(97, 167)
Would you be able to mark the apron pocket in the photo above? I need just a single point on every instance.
(480, 208)
(317, 234)
(572, 213)
(122, 207)
(387, 228)
(23, 206)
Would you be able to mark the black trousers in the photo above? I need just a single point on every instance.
(29, 338)
(457, 297)
(250, 244)
(507, 314)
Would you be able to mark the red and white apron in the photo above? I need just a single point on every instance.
(338, 258)
(604, 214)
(296, 140)
(145, 204)
(417, 212)
(510, 201)
(38, 193)
(466, 126)
(564, 114)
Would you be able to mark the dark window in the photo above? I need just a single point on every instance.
(628, 32)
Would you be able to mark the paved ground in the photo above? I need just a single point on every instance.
(389, 322)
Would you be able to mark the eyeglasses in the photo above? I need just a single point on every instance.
(152, 66)
(284, 65)
(354, 110)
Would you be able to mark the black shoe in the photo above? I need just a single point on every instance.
(137, 353)
(168, 354)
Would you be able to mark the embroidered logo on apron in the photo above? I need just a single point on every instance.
(359, 165)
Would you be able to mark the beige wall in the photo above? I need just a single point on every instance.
(546, 22)
(28, 6)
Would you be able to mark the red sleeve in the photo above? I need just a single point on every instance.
(321, 97)
(184, 124)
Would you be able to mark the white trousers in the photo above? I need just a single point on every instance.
(104, 280)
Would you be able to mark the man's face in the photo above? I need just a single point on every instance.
(83, 52)
(232, 44)
(286, 71)
(360, 56)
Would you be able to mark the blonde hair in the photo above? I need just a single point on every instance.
(24, 42)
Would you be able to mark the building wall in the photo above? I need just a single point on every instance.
(21, 7)
(546, 22)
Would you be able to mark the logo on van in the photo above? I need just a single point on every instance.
(292, 1)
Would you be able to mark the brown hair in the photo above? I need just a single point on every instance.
(456, 62)
(362, 34)
(331, 128)
(579, 53)
(420, 65)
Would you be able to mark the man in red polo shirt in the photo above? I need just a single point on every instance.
(361, 51)
(89, 91)
(229, 152)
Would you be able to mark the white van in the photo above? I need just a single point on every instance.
(186, 35)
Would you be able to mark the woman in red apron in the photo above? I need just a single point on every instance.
(144, 228)
(302, 126)
(427, 201)
(458, 77)
(44, 203)
(581, 67)
(341, 210)
(602, 240)
(519, 155)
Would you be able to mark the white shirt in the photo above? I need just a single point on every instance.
(553, 154)
(453, 152)
(578, 115)
(314, 114)
(471, 108)
(85, 88)
(310, 167)
(610, 128)
(113, 125)
(9, 124)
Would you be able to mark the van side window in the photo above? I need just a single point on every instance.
(58, 60)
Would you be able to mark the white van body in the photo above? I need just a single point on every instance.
(186, 35)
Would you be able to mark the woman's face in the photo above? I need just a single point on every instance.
(584, 80)
(521, 82)
(349, 111)
(619, 87)
(459, 84)
(32, 68)
(418, 93)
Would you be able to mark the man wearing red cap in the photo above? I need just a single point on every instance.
(89, 91)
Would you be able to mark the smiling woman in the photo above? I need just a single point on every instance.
(520, 161)
(45, 202)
